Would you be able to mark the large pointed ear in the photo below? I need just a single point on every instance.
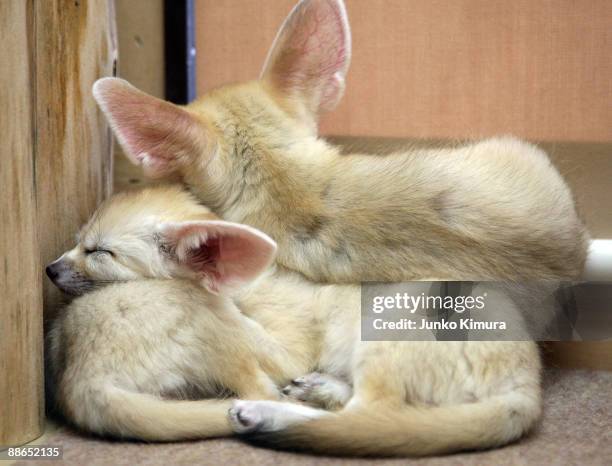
(156, 134)
(222, 255)
(310, 56)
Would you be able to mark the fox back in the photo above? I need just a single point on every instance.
(496, 209)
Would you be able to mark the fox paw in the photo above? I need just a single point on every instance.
(245, 417)
(267, 416)
(320, 390)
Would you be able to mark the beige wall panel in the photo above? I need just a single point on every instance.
(596, 355)
(140, 33)
(232, 38)
(439, 69)
(588, 170)
(21, 337)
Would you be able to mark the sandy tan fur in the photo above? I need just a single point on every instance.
(121, 353)
(495, 209)
(492, 209)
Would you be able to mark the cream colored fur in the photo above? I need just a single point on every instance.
(494, 209)
(120, 353)
(491, 209)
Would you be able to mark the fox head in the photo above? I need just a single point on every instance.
(217, 143)
(161, 232)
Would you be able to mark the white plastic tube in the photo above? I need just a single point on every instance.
(599, 261)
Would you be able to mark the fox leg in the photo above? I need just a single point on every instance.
(253, 384)
(319, 390)
(372, 387)
(269, 416)
(272, 416)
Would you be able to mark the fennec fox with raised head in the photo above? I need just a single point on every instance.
(493, 209)
(177, 304)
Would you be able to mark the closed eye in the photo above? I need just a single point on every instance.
(99, 251)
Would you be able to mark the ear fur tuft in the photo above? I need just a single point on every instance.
(223, 255)
(155, 134)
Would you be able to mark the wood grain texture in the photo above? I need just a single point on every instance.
(55, 168)
(438, 69)
(75, 44)
(21, 337)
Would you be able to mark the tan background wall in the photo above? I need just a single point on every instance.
(140, 36)
(443, 69)
(140, 32)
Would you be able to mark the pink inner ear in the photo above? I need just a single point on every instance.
(243, 257)
(152, 132)
(320, 38)
(311, 53)
(224, 254)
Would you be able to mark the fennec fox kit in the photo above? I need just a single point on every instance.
(220, 325)
(493, 209)
(118, 351)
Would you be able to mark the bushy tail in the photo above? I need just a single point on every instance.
(412, 431)
(151, 418)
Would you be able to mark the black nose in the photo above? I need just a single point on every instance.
(52, 271)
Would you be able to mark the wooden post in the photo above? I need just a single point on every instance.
(21, 337)
(55, 167)
(75, 45)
